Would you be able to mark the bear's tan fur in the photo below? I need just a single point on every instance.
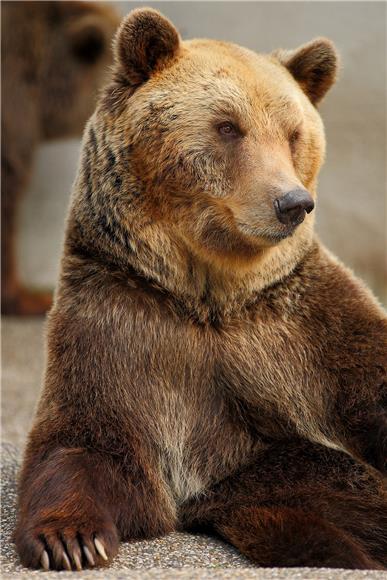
(210, 365)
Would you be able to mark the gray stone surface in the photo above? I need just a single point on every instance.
(22, 370)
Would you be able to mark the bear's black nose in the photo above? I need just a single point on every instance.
(291, 207)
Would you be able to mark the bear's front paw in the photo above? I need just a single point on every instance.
(58, 545)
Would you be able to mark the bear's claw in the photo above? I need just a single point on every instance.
(71, 552)
(100, 548)
(89, 556)
(45, 560)
(66, 562)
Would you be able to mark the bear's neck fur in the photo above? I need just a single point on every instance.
(109, 222)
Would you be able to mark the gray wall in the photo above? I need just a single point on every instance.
(351, 209)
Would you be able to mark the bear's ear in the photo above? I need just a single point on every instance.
(145, 42)
(314, 66)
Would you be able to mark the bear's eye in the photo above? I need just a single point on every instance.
(227, 129)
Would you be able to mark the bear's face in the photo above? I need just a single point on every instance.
(226, 142)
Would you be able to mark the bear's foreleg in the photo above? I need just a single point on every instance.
(75, 505)
(66, 511)
(299, 504)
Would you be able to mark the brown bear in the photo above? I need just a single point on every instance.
(54, 57)
(211, 366)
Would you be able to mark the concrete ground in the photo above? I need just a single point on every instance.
(180, 556)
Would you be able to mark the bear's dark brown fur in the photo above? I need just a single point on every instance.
(210, 366)
(54, 57)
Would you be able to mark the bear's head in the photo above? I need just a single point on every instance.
(224, 144)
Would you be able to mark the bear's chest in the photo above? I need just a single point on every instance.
(239, 388)
(264, 363)
(200, 435)
(275, 367)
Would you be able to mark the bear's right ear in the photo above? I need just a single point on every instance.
(145, 42)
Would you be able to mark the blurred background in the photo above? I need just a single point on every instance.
(351, 205)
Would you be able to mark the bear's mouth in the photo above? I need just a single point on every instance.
(269, 234)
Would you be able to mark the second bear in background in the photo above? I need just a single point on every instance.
(55, 55)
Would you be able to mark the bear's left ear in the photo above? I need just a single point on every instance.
(314, 66)
(145, 42)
